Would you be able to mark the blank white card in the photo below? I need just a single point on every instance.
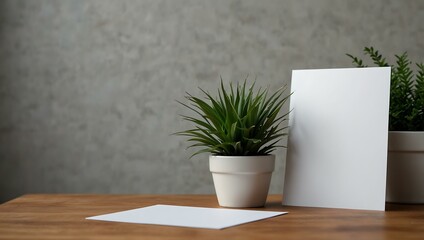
(181, 216)
(337, 145)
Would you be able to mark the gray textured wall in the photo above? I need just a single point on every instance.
(88, 88)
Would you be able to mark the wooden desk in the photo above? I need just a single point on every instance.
(51, 216)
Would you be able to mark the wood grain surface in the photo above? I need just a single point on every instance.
(52, 216)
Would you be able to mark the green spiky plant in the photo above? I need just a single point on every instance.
(238, 122)
(406, 90)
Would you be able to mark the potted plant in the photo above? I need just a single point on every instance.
(405, 164)
(239, 128)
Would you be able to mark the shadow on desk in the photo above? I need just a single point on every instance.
(276, 204)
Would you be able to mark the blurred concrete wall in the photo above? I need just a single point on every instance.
(88, 88)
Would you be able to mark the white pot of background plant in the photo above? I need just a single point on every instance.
(242, 181)
(405, 167)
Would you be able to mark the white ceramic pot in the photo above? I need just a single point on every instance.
(405, 167)
(242, 181)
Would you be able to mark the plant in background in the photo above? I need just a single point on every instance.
(238, 122)
(406, 90)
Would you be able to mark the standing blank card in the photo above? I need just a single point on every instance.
(337, 145)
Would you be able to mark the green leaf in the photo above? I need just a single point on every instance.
(406, 90)
(239, 121)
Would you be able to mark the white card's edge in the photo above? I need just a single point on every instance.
(347, 68)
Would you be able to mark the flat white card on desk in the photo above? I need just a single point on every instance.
(181, 216)
(337, 145)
